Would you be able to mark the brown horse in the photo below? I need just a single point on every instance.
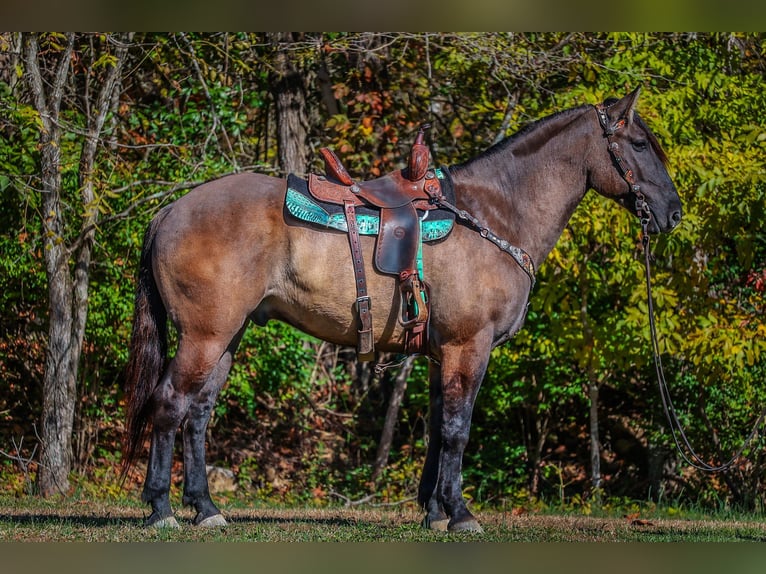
(226, 252)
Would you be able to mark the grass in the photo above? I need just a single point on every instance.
(556, 541)
(83, 520)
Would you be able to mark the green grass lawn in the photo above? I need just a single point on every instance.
(78, 519)
(262, 538)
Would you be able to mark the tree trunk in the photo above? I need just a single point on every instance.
(9, 58)
(67, 288)
(595, 444)
(535, 423)
(593, 383)
(392, 415)
(657, 455)
(59, 377)
(289, 90)
(541, 431)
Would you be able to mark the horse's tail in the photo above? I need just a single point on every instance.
(147, 351)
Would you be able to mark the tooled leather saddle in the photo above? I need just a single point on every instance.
(398, 198)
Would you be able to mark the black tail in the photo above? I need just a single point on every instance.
(148, 351)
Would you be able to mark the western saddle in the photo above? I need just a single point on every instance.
(398, 195)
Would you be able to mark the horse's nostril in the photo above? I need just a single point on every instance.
(675, 217)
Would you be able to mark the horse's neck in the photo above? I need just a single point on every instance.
(527, 191)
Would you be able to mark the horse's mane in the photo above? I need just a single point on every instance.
(536, 131)
(539, 131)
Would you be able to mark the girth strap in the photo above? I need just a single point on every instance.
(366, 341)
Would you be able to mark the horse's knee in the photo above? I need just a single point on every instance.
(168, 407)
(455, 432)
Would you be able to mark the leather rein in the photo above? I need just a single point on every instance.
(644, 214)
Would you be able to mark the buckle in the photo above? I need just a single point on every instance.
(364, 299)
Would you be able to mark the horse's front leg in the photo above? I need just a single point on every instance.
(436, 518)
(462, 370)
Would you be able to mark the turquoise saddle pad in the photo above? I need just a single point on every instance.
(435, 224)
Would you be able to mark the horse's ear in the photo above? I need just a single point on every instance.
(623, 109)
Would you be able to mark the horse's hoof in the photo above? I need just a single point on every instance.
(470, 525)
(438, 524)
(215, 521)
(167, 522)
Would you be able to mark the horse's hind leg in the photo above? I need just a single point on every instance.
(196, 490)
(186, 392)
(169, 407)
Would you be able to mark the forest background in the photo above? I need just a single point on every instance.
(99, 131)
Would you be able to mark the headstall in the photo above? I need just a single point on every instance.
(642, 208)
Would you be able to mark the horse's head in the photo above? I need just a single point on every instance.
(630, 165)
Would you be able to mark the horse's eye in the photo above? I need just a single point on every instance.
(639, 145)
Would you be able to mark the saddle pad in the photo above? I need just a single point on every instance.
(435, 224)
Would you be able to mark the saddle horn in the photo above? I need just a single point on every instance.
(419, 156)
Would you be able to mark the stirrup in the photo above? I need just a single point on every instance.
(414, 304)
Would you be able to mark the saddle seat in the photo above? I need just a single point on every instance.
(398, 196)
(389, 191)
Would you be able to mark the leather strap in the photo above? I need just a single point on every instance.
(415, 312)
(414, 306)
(366, 342)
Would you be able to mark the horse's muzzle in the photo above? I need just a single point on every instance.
(665, 222)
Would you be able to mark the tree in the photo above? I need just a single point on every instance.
(66, 61)
(289, 90)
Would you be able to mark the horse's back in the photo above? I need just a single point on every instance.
(231, 200)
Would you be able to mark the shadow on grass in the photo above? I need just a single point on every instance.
(85, 520)
(31, 519)
(311, 521)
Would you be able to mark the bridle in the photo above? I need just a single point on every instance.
(642, 208)
(644, 214)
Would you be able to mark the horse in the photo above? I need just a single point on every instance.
(226, 254)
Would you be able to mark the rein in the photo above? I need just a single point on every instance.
(644, 214)
(676, 429)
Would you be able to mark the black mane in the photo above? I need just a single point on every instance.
(538, 132)
(541, 130)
